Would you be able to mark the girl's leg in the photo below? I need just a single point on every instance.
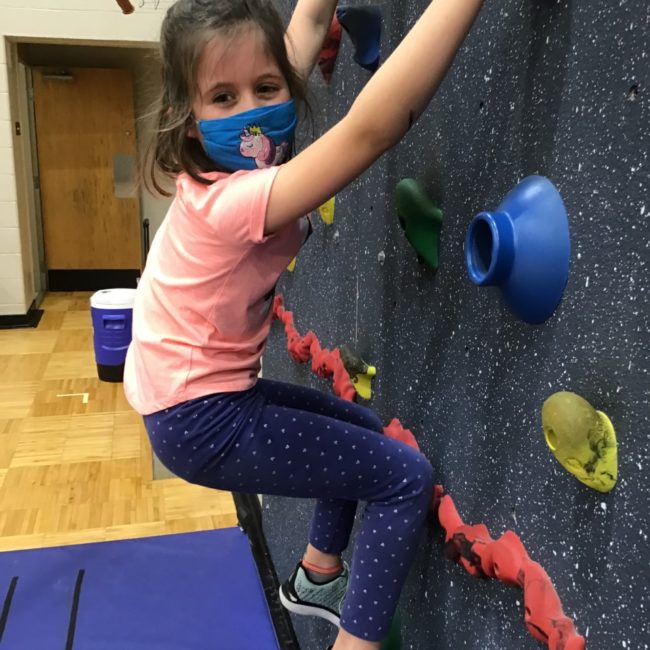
(247, 444)
(285, 396)
(308, 399)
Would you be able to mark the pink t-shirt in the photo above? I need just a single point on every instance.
(203, 306)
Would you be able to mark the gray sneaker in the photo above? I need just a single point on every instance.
(301, 596)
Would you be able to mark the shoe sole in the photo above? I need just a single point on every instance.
(309, 610)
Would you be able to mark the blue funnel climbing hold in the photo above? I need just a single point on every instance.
(363, 24)
(523, 247)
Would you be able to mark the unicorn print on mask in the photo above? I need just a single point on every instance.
(254, 144)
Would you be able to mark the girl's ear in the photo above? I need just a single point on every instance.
(192, 131)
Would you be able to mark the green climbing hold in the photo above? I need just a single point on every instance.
(394, 639)
(420, 219)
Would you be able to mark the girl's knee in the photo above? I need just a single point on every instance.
(417, 482)
(375, 423)
(426, 479)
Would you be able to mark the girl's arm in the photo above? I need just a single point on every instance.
(381, 115)
(309, 24)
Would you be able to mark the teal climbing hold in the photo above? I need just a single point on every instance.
(420, 219)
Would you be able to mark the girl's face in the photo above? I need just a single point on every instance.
(236, 75)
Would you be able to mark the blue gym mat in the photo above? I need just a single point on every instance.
(193, 591)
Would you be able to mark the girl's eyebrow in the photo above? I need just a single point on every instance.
(270, 75)
(217, 86)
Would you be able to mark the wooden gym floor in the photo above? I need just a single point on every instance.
(75, 461)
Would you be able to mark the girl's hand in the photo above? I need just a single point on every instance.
(306, 33)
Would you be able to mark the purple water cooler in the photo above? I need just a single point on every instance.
(112, 314)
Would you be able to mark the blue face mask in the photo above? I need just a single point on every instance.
(254, 139)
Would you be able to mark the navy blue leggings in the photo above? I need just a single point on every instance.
(293, 441)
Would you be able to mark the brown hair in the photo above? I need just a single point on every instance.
(187, 27)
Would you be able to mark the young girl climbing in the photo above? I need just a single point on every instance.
(233, 84)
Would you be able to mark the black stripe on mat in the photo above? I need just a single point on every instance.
(249, 514)
(7, 605)
(75, 608)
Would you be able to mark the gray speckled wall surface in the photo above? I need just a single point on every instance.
(560, 89)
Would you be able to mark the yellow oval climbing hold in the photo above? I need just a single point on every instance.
(582, 439)
(292, 265)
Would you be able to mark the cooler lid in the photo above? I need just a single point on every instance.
(113, 299)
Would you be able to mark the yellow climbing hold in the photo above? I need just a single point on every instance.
(363, 382)
(360, 372)
(292, 265)
(582, 439)
(326, 211)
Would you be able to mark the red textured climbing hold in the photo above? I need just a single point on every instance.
(325, 363)
(504, 559)
(331, 44)
(507, 560)
(396, 431)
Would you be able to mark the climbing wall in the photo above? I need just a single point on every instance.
(556, 88)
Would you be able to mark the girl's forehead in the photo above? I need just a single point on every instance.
(225, 58)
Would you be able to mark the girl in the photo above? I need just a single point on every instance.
(232, 81)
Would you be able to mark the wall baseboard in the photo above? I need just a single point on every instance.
(31, 319)
(92, 279)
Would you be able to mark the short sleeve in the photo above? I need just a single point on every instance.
(236, 205)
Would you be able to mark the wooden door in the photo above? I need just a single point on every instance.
(85, 131)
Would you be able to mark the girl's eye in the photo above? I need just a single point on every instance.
(267, 89)
(222, 98)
